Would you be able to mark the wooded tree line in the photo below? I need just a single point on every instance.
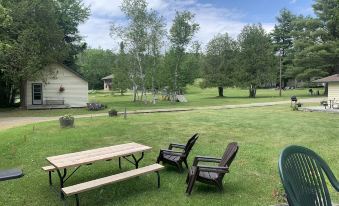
(307, 46)
(34, 34)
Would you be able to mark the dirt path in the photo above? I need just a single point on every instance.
(10, 122)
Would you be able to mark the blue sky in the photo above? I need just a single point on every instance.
(214, 16)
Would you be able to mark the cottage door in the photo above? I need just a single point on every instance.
(36, 93)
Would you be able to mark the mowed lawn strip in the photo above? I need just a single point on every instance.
(196, 98)
(253, 179)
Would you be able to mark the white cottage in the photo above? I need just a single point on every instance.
(333, 86)
(108, 82)
(66, 88)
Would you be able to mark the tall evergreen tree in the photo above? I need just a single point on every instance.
(256, 58)
(220, 62)
(70, 14)
(283, 40)
(316, 41)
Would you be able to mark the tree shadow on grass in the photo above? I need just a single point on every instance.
(257, 97)
(238, 97)
(201, 188)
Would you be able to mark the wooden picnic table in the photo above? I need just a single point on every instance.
(77, 159)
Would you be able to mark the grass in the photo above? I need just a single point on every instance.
(196, 98)
(253, 179)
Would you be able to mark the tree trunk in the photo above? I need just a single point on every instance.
(326, 89)
(253, 91)
(176, 74)
(134, 93)
(221, 91)
(142, 77)
(23, 90)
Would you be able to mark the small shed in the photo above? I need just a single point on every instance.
(108, 82)
(333, 86)
(64, 89)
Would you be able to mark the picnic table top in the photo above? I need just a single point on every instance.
(93, 155)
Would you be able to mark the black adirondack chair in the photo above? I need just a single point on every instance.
(211, 174)
(175, 157)
(302, 174)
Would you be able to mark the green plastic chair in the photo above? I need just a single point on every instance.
(302, 174)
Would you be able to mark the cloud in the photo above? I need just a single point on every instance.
(293, 1)
(212, 20)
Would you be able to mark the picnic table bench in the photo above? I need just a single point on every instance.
(62, 163)
(83, 187)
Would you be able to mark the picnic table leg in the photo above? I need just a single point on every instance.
(138, 160)
(77, 200)
(158, 179)
(62, 177)
(119, 162)
(135, 161)
(50, 178)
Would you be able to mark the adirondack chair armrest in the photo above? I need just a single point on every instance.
(176, 145)
(217, 169)
(198, 159)
(331, 177)
(171, 152)
(333, 180)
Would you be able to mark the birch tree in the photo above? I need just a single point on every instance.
(157, 33)
(143, 27)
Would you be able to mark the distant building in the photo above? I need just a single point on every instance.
(333, 86)
(108, 82)
(66, 88)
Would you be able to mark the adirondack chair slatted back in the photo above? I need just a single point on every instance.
(229, 155)
(190, 144)
(302, 174)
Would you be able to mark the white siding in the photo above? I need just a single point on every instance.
(333, 90)
(76, 89)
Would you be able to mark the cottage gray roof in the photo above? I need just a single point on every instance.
(333, 78)
(108, 77)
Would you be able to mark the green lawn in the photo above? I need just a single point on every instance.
(253, 179)
(196, 98)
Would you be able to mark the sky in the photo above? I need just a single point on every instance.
(213, 16)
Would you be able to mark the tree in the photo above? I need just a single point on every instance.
(283, 40)
(191, 65)
(282, 37)
(70, 14)
(32, 43)
(181, 34)
(95, 64)
(156, 34)
(143, 29)
(121, 70)
(307, 63)
(220, 62)
(7, 92)
(315, 40)
(256, 58)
